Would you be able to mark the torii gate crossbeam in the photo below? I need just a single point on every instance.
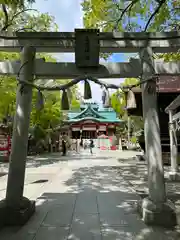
(50, 70)
(109, 42)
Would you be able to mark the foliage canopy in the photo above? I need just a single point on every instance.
(22, 18)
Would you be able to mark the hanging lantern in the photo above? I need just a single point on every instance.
(103, 96)
(64, 101)
(69, 93)
(130, 100)
(107, 102)
(40, 101)
(87, 90)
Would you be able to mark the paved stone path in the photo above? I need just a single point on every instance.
(86, 197)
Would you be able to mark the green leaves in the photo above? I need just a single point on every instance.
(23, 19)
(130, 15)
(51, 114)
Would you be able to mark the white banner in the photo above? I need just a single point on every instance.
(89, 128)
(76, 129)
(102, 128)
(3, 153)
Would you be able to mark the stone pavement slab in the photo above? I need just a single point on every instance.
(88, 198)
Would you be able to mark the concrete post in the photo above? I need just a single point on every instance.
(120, 144)
(15, 185)
(173, 149)
(129, 129)
(153, 208)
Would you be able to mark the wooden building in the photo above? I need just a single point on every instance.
(91, 120)
(168, 88)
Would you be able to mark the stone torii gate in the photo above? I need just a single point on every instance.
(87, 44)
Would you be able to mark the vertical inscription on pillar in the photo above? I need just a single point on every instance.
(87, 48)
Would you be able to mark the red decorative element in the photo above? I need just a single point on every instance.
(5, 147)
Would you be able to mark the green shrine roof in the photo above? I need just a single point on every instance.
(92, 112)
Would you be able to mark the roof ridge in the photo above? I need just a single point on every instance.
(92, 110)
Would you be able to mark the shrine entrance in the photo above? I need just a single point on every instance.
(88, 134)
(87, 44)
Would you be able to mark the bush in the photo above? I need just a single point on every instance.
(134, 140)
(39, 133)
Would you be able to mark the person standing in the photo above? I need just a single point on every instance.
(91, 145)
(64, 144)
(81, 142)
(77, 145)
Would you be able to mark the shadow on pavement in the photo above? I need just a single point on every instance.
(55, 158)
(137, 178)
(93, 203)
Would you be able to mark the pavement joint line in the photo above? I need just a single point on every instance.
(73, 211)
(48, 210)
(38, 228)
(99, 217)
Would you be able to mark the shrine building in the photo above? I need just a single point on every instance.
(91, 121)
(168, 88)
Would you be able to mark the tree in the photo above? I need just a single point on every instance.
(51, 114)
(134, 15)
(16, 3)
(26, 19)
(118, 103)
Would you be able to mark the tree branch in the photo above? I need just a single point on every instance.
(6, 17)
(129, 7)
(23, 11)
(154, 13)
(9, 22)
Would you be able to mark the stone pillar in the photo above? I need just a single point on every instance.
(120, 143)
(129, 128)
(155, 208)
(15, 202)
(173, 174)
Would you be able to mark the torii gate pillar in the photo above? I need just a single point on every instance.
(16, 209)
(174, 173)
(155, 209)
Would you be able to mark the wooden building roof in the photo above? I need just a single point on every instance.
(93, 113)
(169, 89)
(166, 84)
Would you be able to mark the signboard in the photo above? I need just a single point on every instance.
(87, 48)
(111, 126)
(76, 129)
(4, 146)
(3, 153)
(88, 121)
(88, 128)
(102, 128)
(3, 142)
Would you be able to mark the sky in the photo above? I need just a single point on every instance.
(69, 15)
